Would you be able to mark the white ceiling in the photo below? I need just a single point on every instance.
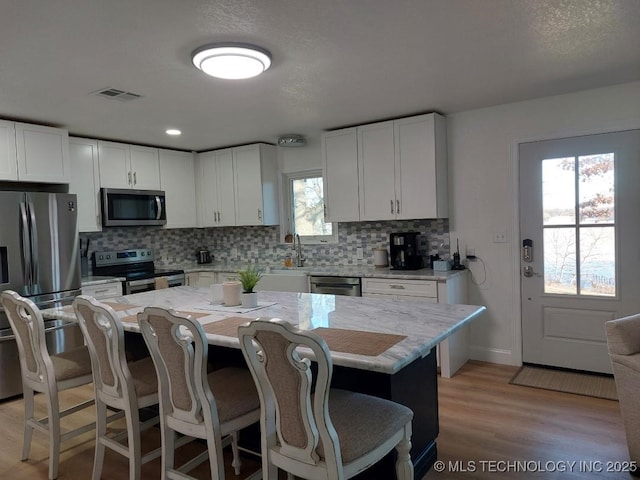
(335, 62)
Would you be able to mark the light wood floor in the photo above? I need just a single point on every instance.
(483, 421)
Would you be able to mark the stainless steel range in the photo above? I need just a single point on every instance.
(138, 269)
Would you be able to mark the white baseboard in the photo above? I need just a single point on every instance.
(493, 355)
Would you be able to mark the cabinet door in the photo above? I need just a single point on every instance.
(420, 185)
(8, 165)
(340, 175)
(248, 183)
(177, 180)
(145, 168)
(377, 171)
(225, 189)
(43, 154)
(114, 162)
(85, 182)
(206, 189)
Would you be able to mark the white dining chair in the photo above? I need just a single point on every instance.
(212, 406)
(317, 433)
(118, 384)
(46, 374)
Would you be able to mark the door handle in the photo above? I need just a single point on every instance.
(528, 272)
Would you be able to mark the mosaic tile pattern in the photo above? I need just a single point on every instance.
(262, 244)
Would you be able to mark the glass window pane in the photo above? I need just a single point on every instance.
(598, 261)
(560, 261)
(596, 188)
(308, 207)
(558, 191)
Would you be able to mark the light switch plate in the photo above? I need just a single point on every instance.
(359, 253)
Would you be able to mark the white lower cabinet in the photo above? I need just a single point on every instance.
(453, 351)
(201, 279)
(103, 290)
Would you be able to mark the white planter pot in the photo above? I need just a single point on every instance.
(250, 300)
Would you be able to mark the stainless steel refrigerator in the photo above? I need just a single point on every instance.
(39, 259)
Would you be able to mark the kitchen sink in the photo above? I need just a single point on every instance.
(284, 281)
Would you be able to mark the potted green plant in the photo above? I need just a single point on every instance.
(249, 279)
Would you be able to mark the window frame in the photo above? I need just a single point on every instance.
(288, 225)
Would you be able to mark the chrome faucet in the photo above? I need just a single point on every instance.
(297, 245)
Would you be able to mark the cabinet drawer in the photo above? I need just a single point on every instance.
(411, 288)
(103, 290)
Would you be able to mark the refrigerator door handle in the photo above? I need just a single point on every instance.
(159, 208)
(34, 245)
(26, 245)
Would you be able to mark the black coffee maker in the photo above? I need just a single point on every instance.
(403, 248)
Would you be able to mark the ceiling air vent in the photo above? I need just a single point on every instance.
(115, 94)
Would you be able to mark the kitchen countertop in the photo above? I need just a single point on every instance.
(424, 324)
(96, 280)
(332, 270)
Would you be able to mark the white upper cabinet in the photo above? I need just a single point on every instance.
(421, 167)
(237, 186)
(177, 180)
(42, 153)
(8, 164)
(128, 166)
(85, 182)
(215, 192)
(376, 154)
(256, 183)
(340, 175)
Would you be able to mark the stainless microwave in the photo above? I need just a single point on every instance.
(122, 207)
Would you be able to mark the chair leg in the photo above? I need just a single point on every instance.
(135, 449)
(168, 449)
(28, 416)
(53, 411)
(236, 463)
(101, 432)
(404, 467)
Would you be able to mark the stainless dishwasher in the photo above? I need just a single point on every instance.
(349, 286)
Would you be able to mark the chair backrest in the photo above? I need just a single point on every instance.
(179, 350)
(104, 336)
(28, 327)
(291, 420)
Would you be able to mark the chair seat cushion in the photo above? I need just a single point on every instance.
(72, 363)
(235, 392)
(144, 376)
(363, 422)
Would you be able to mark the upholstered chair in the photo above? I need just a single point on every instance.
(46, 374)
(212, 406)
(323, 433)
(623, 339)
(118, 384)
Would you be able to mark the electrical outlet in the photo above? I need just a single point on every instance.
(234, 253)
(359, 253)
(500, 237)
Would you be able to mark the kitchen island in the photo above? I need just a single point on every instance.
(405, 372)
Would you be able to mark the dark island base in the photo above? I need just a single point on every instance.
(415, 386)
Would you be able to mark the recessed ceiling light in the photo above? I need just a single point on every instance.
(173, 131)
(232, 61)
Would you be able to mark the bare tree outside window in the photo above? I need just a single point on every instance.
(308, 207)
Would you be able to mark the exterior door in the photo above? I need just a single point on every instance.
(579, 233)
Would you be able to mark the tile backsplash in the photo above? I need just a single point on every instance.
(263, 245)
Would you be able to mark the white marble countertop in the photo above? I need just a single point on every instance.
(332, 270)
(424, 324)
(96, 280)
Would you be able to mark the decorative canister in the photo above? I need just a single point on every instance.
(380, 257)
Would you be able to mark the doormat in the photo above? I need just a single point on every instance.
(591, 385)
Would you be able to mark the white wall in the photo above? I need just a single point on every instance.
(300, 159)
(483, 193)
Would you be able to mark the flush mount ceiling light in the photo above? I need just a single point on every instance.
(232, 60)
(291, 140)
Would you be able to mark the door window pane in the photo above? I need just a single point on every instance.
(597, 261)
(560, 261)
(558, 191)
(596, 188)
